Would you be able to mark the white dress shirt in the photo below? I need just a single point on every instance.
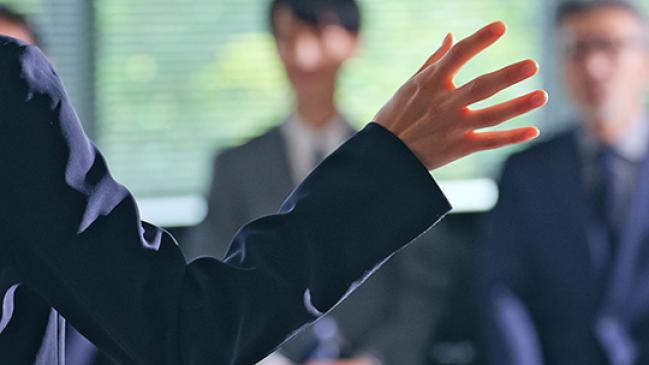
(304, 142)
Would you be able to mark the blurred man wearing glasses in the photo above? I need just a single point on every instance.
(568, 283)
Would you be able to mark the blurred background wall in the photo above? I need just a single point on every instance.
(163, 85)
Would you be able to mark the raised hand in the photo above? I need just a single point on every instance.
(432, 116)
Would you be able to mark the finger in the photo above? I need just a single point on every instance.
(447, 43)
(469, 47)
(480, 141)
(499, 113)
(490, 84)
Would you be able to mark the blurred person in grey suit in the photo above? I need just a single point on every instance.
(314, 39)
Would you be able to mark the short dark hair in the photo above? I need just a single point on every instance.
(12, 16)
(571, 8)
(320, 13)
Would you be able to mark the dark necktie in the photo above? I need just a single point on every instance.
(605, 196)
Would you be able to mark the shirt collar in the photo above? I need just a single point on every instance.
(633, 145)
(326, 138)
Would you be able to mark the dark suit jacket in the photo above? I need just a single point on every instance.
(388, 318)
(549, 279)
(71, 238)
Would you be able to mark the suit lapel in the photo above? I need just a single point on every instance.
(280, 175)
(573, 195)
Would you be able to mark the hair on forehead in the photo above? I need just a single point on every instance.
(319, 13)
(570, 8)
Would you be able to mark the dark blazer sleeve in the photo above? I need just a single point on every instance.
(73, 235)
(508, 331)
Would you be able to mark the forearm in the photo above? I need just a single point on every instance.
(75, 238)
(131, 290)
(133, 295)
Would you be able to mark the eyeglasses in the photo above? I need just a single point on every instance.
(580, 49)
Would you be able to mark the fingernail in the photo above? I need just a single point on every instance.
(534, 133)
(498, 28)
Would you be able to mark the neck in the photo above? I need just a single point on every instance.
(316, 111)
(611, 128)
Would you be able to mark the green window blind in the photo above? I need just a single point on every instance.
(179, 80)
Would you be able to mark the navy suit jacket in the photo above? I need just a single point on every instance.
(549, 278)
(71, 239)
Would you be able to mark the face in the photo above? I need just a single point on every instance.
(606, 62)
(16, 31)
(311, 57)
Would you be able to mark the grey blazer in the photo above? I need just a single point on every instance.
(388, 318)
